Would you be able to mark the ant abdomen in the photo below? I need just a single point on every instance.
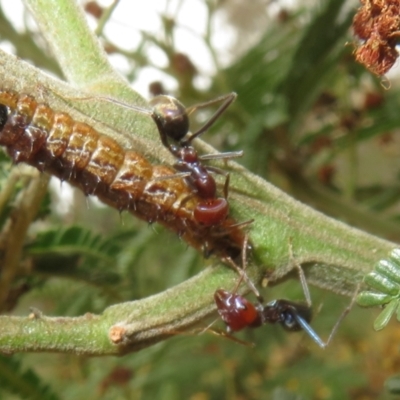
(236, 311)
(211, 212)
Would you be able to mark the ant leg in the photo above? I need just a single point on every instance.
(302, 322)
(226, 188)
(227, 101)
(343, 315)
(314, 335)
(133, 107)
(216, 332)
(242, 271)
(228, 336)
(240, 224)
(302, 277)
(172, 176)
(222, 156)
(222, 333)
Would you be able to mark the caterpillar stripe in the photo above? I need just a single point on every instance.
(73, 151)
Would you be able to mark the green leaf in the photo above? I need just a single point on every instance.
(392, 385)
(381, 283)
(372, 299)
(316, 56)
(384, 317)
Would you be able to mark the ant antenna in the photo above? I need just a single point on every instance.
(227, 99)
(301, 321)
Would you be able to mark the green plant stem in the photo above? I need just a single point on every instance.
(13, 235)
(132, 325)
(8, 188)
(75, 44)
(26, 47)
(107, 12)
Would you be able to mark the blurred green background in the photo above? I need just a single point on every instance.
(310, 120)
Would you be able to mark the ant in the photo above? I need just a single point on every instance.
(172, 120)
(238, 313)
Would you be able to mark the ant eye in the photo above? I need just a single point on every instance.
(289, 321)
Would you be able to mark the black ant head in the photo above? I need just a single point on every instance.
(171, 117)
(287, 313)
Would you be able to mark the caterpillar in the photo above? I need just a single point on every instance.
(73, 151)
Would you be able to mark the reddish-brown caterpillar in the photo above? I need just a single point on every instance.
(73, 151)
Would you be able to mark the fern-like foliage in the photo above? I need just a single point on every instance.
(22, 382)
(77, 253)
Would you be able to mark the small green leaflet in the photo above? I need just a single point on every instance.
(384, 281)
